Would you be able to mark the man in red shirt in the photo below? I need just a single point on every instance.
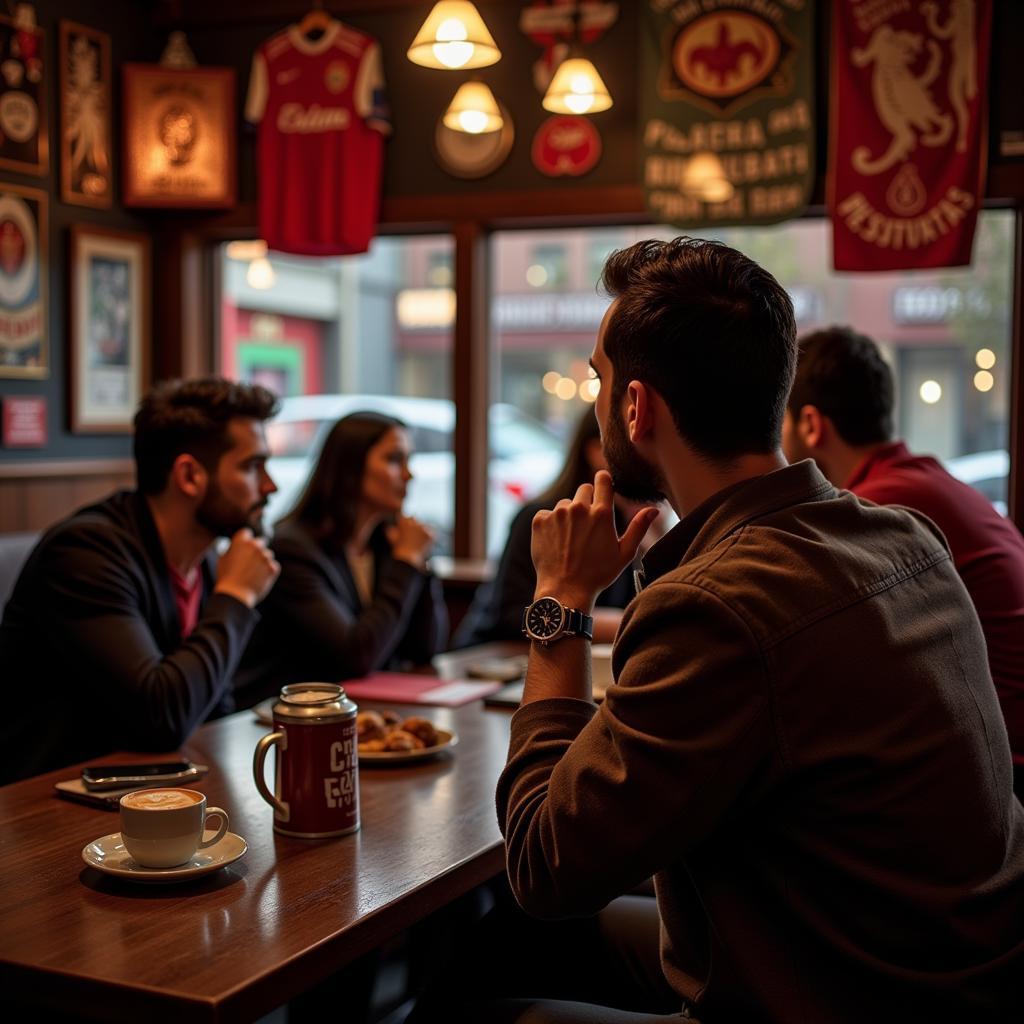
(840, 413)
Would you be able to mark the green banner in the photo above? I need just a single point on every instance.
(727, 110)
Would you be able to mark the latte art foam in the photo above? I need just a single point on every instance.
(162, 799)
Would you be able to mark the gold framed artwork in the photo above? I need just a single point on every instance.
(179, 137)
(86, 147)
(23, 136)
(109, 328)
(23, 275)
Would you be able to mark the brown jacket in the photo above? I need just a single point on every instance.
(805, 748)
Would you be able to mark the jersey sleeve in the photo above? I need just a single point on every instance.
(256, 101)
(369, 96)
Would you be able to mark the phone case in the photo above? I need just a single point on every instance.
(190, 774)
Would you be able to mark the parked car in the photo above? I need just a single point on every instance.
(525, 457)
(987, 472)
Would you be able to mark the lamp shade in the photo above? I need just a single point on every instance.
(704, 178)
(576, 89)
(454, 36)
(473, 109)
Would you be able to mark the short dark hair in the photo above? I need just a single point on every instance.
(328, 503)
(712, 332)
(191, 416)
(843, 374)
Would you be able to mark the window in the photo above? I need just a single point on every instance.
(548, 267)
(946, 332)
(335, 336)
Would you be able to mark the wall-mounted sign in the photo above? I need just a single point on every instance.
(23, 137)
(907, 142)
(23, 235)
(727, 87)
(23, 421)
(179, 137)
(566, 145)
(553, 25)
(86, 149)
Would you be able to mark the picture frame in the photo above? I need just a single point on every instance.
(109, 318)
(24, 138)
(86, 115)
(179, 137)
(24, 266)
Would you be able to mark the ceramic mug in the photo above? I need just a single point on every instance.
(163, 828)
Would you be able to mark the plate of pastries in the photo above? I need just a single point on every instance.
(387, 736)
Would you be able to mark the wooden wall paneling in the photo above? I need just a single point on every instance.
(470, 387)
(35, 495)
(12, 506)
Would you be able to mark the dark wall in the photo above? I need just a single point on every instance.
(127, 23)
(227, 32)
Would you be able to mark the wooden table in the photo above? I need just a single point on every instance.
(235, 944)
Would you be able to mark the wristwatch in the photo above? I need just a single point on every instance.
(547, 620)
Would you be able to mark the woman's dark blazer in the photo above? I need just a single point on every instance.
(315, 626)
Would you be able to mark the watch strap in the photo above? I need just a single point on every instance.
(579, 624)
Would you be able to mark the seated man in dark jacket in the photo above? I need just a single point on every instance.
(802, 744)
(120, 633)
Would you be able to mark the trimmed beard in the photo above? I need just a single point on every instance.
(223, 519)
(633, 476)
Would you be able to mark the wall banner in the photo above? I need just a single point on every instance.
(907, 138)
(732, 80)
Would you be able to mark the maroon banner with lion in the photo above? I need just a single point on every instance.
(908, 141)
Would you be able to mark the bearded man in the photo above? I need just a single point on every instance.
(121, 632)
(802, 745)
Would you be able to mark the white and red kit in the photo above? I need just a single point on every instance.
(322, 116)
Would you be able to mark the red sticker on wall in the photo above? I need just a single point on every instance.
(566, 146)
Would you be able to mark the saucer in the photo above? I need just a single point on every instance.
(109, 856)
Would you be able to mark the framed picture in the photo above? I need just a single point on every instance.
(86, 147)
(23, 138)
(23, 275)
(179, 137)
(109, 320)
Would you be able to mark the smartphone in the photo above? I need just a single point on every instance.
(118, 776)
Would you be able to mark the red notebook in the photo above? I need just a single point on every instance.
(410, 689)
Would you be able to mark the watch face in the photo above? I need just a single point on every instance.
(544, 618)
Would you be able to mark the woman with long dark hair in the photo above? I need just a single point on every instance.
(497, 609)
(355, 594)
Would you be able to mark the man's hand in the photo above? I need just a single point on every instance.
(410, 541)
(575, 548)
(247, 569)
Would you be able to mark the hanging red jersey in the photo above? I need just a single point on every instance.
(322, 116)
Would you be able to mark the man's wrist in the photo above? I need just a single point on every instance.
(245, 595)
(569, 594)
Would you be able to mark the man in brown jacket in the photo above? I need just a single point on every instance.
(803, 744)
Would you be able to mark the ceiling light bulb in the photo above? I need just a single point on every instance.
(454, 36)
(474, 110)
(704, 178)
(576, 88)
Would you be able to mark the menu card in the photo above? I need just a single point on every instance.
(411, 689)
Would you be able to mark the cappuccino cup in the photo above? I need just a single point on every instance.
(163, 828)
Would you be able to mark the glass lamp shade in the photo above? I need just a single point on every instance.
(704, 178)
(576, 89)
(473, 109)
(455, 37)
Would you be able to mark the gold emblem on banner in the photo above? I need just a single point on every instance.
(724, 60)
